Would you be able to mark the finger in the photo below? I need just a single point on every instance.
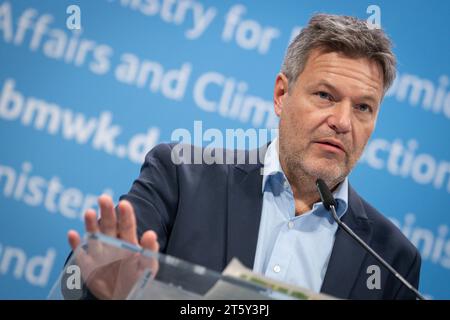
(127, 222)
(74, 239)
(149, 241)
(108, 221)
(79, 257)
(91, 224)
(90, 221)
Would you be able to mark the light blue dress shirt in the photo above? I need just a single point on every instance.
(294, 249)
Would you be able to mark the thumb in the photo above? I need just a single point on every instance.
(74, 239)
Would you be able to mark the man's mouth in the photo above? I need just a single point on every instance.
(332, 145)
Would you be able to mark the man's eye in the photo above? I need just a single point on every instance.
(323, 95)
(364, 108)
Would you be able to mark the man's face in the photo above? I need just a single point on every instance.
(328, 115)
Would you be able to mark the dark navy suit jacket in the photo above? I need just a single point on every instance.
(208, 214)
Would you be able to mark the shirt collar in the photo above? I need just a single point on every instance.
(272, 168)
(272, 164)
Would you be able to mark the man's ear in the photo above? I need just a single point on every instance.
(279, 92)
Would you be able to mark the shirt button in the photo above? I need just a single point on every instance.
(276, 268)
(290, 224)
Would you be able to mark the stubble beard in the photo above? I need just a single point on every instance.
(300, 166)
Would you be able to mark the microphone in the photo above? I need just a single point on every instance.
(330, 204)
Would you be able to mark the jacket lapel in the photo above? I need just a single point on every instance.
(244, 211)
(347, 255)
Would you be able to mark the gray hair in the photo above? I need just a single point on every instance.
(344, 34)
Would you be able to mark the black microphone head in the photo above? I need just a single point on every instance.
(325, 194)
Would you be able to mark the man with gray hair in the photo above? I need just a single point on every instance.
(269, 215)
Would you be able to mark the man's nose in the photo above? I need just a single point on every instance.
(340, 118)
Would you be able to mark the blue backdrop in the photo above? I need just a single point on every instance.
(79, 109)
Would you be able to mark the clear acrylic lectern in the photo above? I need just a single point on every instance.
(107, 268)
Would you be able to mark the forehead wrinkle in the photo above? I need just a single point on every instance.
(364, 86)
(337, 60)
(330, 67)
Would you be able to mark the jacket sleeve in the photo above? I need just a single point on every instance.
(154, 194)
